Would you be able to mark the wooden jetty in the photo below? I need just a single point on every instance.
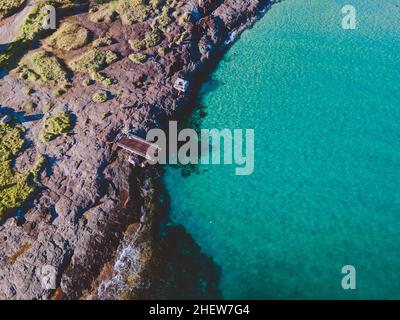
(138, 146)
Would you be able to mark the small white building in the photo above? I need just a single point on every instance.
(181, 85)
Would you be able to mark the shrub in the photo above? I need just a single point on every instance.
(101, 77)
(28, 106)
(137, 45)
(132, 11)
(93, 60)
(11, 142)
(138, 58)
(102, 42)
(42, 67)
(153, 38)
(100, 97)
(57, 125)
(8, 7)
(69, 36)
(15, 187)
(87, 82)
(32, 27)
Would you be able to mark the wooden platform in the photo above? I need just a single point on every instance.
(138, 146)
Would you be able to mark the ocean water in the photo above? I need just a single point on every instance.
(325, 192)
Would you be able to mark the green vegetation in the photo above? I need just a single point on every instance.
(130, 11)
(69, 36)
(32, 27)
(11, 142)
(59, 91)
(57, 125)
(102, 42)
(153, 38)
(100, 97)
(137, 45)
(31, 30)
(138, 58)
(161, 51)
(102, 78)
(8, 7)
(42, 67)
(93, 61)
(15, 187)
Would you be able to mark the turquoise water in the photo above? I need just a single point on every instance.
(325, 192)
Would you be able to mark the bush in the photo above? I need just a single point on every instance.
(93, 60)
(100, 97)
(15, 187)
(57, 125)
(102, 78)
(102, 42)
(69, 36)
(11, 142)
(153, 38)
(138, 58)
(8, 7)
(137, 45)
(42, 67)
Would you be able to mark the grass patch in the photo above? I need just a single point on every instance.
(153, 38)
(100, 97)
(138, 58)
(102, 42)
(11, 142)
(69, 36)
(137, 45)
(57, 125)
(31, 30)
(102, 78)
(8, 7)
(15, 187)
(130, 11)
(93, 61)
(42, 67)
(32, 27)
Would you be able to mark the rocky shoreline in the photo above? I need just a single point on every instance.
(95, 218)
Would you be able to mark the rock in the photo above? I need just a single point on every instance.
(78, 219)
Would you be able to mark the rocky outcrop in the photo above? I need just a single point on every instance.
(81, 219)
